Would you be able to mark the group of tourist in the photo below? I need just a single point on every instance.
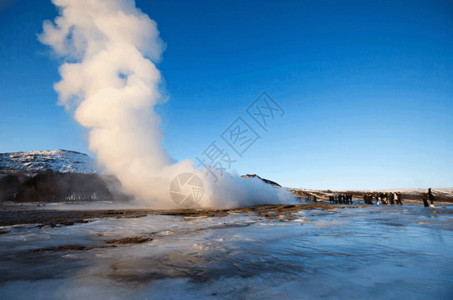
(380, 198)
(341, 199)
(383, 198)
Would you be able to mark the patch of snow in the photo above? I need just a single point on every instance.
(38, 161)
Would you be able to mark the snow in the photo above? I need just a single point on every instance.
(38, 161)
(374, 253)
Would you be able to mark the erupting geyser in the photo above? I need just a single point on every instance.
(110, 80)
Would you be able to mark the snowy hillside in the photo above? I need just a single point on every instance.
(40, 161)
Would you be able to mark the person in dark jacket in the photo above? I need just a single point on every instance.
(384, 199)
(365, 199)
(430, 196)
(391, 198)
(369, 199)
(425, 198)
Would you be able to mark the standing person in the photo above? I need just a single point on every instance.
(370, 199)
(425, 199)
(384, 199)
(391, 198)
(400, 198)
(365, 198)
(431, 197)
(397, 197)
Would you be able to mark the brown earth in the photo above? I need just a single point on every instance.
(42, 217)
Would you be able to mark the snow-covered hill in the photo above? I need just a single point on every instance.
(40, 161)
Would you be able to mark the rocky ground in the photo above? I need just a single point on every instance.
(14, 215)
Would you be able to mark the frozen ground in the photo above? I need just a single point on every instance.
(374, 252)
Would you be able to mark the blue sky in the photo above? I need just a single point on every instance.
(367, 87)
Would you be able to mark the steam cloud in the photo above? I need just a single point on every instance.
(110, 81)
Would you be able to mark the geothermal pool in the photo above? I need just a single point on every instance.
(373, 252)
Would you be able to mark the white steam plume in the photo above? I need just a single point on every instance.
(111, 82)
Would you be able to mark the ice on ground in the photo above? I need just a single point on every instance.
(382, 253)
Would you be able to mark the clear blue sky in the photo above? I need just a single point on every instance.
(367, 86)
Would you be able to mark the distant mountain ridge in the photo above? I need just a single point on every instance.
(263, 179)
(63, 161)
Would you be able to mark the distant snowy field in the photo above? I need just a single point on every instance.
(39, 161)
(368, 253)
